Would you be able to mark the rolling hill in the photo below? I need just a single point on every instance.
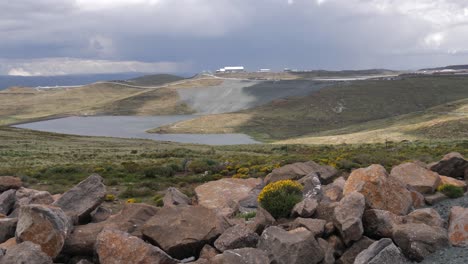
(332, 108)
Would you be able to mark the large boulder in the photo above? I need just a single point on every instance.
(9, 182)
(27, 253)
(419, 240)
(242, 256)
(348, 217)
(381, 252)
(421, 179)
(182, 231)
(380, 191)
(298, 170)
(7, 228)
(352, 252)
(426, 216)
(305, 208)
(174, 197)
(47, 226)
(238, 236)
(114, 246)
(296, 246)
(130, 219)
(453, 165)
(221, 193)
(7, 201)
(81, 200)
(458, 226)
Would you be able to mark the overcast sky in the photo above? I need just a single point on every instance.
(50, 37)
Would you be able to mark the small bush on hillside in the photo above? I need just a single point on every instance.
(278, 198)
(158, 200)
(451, 191)
(109, 198)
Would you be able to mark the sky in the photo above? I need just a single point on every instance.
(58, 37)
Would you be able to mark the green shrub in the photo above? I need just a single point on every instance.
(158, 200)
(247, 216)
(451, 191)
(278, 198)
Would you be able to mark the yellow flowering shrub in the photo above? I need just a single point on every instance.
(278, 198)
(109, 198)
(450, 190)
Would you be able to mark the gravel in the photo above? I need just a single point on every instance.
(452, 255)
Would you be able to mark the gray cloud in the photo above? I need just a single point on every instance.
(310, 34)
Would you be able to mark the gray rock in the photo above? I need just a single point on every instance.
(250, 203)
(419, 240)
(315, 226)
(348, 217)
(435, 198)
(296, 246)
(453, 165)
(326, 211)
(208, 252)
(131, 219)
(305, 208)
(7, 228)
(419, 178)
(381, 252)
(9, 182)
(262, 220)
(113, 246)
(458, 226)
(100, 214)
(351, 253)
(329, 257)
(293, 171)
(380, 223)
(45, 225)
(25, 196)
(238, 236)
(426, 216)
(175, 197)
(81, 200)
(312, 186)
(182, 231)
(7, 201)
(27, 253)
(243, 256)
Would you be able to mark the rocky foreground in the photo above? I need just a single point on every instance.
(369, 216)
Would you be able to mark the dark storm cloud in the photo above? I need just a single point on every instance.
(204, 34)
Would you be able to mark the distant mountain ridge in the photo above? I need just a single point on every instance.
(7, 81)
(453, 67)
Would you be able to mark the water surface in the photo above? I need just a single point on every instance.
(133, 127)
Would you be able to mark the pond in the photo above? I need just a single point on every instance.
(133, 127)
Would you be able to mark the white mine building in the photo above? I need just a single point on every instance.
(230, 69)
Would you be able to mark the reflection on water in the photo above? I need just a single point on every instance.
(133, 127)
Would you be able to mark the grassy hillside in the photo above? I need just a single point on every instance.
(21, 104)
(332, 108)
(143, 168)
(154, 80)
(28, 104)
